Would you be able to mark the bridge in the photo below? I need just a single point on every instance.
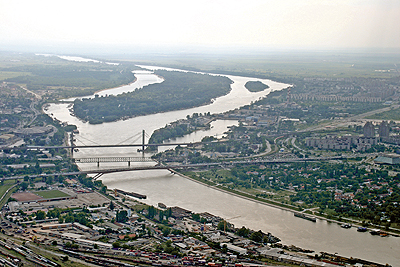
(256, 161)
(112, 159)
(105, 146)
(99, 172)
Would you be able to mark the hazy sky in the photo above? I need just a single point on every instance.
(256, 23)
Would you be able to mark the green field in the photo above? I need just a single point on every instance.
(51, 194)
(393, 114)
(3, 190)
(10, 74)
(283, 65)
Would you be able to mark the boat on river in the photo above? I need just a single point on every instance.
(346, 226)
(305, 216)
(375, 231)
(362, 229)
(378, 232)
(382, 233)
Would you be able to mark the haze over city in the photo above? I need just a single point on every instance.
(205, 133)
(240, 25)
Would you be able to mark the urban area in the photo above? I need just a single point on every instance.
(315, 148)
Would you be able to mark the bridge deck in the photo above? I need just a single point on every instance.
(112, 159)
(158, 166)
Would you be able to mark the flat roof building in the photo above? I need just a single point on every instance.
(391, 159)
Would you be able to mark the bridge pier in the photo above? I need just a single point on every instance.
(129, 163)
(98, 163)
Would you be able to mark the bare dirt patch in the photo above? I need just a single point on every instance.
(25, 196)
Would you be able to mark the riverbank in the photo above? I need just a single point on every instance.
(102, 90)
(237, 194)
(285, 207)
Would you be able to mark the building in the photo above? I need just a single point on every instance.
(342, 143)
(231, 247)
(390, 159)
(384, 129)
(369, 130)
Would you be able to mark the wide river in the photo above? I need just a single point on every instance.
(173, 190)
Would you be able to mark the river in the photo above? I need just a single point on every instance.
(173, 190)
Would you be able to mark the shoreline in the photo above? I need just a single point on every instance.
(357, 223)
(231, 193)
(102, 90)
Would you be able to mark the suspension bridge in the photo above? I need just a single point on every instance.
(143, 145)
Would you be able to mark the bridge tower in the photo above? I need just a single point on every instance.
(71, 140)
(143, 140)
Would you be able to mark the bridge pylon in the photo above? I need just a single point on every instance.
(143, 141)
(71, 140)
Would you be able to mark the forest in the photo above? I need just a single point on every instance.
(56, 78)
(179, 91)
(255, 86)
(59, 78)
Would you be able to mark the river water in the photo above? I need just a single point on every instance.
(173, 190)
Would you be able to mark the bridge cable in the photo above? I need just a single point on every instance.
(129, 138)
(83, 142)
(137, 139)
(87, 140)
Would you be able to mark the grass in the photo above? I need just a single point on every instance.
(11, 74)
(4, 188)
(393, 114)
(51, 194)
(239, 193)
(337, 64)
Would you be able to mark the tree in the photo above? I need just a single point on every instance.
(122, 216)
(257, 236)
(24, 186)
(49, 180)
(40, 215)
(151, 212)
(112, 206)
(221, 225)
(103, 189)
(243, 232)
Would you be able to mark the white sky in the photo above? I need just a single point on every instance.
(264, 23)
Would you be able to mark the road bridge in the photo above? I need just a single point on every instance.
(112, 159)
(100, 172)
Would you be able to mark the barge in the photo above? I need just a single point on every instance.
(132, 194)
(305, 216)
